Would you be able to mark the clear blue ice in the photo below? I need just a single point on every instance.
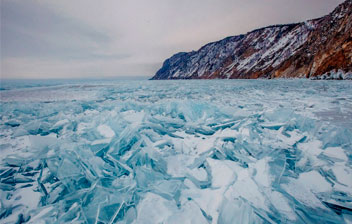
(188, 151)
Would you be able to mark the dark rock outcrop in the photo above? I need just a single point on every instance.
(313, 49)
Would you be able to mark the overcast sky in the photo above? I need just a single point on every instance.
(106, 38)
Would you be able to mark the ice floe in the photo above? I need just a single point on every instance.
(193, 151)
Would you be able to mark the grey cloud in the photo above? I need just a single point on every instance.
(81, 38)
(29, 29)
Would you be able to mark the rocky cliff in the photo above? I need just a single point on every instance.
(318, 48)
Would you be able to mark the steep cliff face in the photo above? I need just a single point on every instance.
(316, 48)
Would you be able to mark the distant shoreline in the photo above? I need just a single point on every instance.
(319, 49)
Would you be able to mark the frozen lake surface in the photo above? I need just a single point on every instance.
(191, 151)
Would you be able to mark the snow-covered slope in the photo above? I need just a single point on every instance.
(309, 49)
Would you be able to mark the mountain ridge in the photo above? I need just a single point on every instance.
(316, 48)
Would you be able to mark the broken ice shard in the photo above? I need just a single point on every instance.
(177, 152)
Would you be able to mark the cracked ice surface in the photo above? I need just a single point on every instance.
(190, 151)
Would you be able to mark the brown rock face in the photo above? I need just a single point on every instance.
(309, 49)
(328, 48)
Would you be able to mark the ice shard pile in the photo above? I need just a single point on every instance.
(259, 151)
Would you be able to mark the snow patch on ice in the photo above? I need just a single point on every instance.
(106, 131)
